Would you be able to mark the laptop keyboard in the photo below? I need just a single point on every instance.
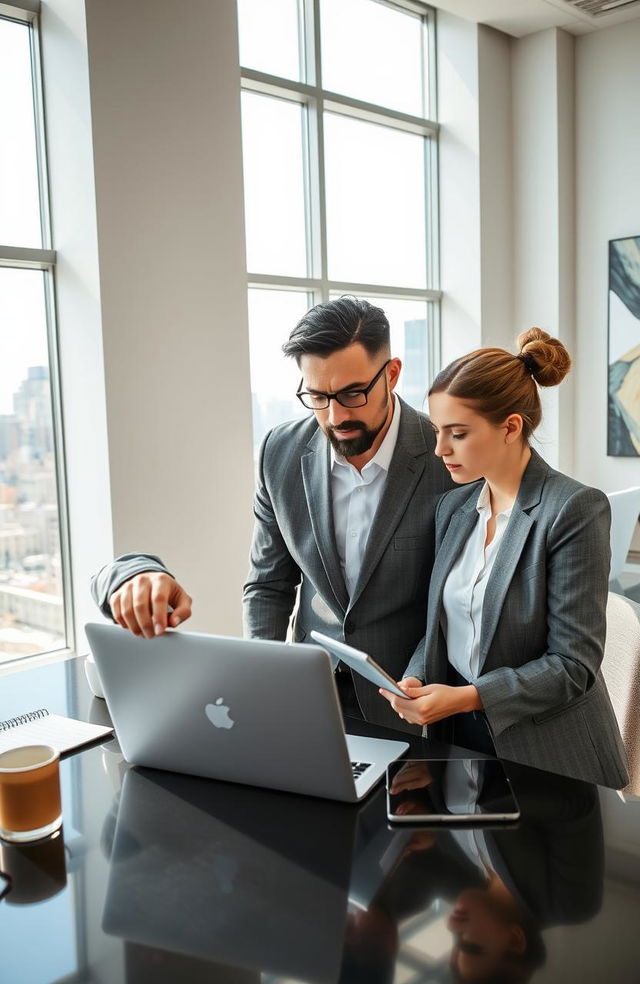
(359, 768)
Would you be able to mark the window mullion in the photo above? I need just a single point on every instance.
(432, 217)
(55, 395)
(38, 119)
(22, 10)
(317, 214)
(27, 257)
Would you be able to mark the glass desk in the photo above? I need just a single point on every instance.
(160, 877)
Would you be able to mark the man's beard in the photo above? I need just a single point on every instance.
(354, 446)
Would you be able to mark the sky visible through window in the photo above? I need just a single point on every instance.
(375, 199)
(31, 602)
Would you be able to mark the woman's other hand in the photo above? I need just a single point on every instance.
(436, 701)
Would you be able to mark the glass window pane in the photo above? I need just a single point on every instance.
(31, 603)
(274, 377)
(269, 37)
(373, 53)
(19, 201)
(274, 190)
(375, 181)
(409, 342)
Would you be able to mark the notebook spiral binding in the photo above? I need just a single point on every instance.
(23, 719)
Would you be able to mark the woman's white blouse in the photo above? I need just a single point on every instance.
(465, 587)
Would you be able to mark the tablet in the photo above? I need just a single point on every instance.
(359, 662)
(451, 791)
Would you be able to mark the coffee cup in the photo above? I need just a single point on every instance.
(30, 804)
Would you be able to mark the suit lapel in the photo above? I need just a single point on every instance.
(405, 471)
(513, 541)
(457, 533)
(514, 538)
(316, 476)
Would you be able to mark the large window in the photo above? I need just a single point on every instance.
(34, 572)
(340, 149)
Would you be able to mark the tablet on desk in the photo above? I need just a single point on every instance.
(450, 791)
(360, 662)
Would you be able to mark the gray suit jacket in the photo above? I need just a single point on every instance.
(543, 626)
(294, 545)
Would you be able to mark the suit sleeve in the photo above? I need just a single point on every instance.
(270, 589)
(123, 568)
(577, 562)
(417, 661)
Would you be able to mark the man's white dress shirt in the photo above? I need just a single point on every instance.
(465, 587)
(356, 496)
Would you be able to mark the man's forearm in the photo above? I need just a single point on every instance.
(112, 575)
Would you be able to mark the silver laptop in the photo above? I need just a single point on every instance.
(250, 711)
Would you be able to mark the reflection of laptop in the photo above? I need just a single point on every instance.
(246, 878)
(249, 711)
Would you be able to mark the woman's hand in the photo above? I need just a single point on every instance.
(414, 775)
(433, 702)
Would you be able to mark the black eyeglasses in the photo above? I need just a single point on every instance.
(346, 397)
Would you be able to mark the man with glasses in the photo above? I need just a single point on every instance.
(344, 511)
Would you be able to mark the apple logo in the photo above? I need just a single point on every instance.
(218, 714)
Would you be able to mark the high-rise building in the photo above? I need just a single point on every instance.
(32, 408)
(9, 435)
(415, 366)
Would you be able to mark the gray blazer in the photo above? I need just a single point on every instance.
(543, 626)
(294, 545)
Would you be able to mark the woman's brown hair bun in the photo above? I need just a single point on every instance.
(543, 356)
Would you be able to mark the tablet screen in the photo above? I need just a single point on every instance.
(449, 791)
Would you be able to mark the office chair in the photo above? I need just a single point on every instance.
(625, 510)
(621, 671)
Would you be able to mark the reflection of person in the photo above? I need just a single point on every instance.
(516, 612)
(344, 508)
(504, 885)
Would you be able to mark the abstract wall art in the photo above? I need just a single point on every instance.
(623, 432)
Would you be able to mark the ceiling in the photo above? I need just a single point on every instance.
(520, 17)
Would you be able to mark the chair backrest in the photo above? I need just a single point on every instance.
(625, 510)
(621, 671)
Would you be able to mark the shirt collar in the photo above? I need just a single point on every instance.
(484, 502)
(384, 454)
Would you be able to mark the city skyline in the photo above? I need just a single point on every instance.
(31, 602)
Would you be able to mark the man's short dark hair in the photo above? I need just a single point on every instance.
(326, 328)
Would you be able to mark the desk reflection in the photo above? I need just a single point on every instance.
(210, 881)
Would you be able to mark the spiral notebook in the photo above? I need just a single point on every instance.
(41, 728)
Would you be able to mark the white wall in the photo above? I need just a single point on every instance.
(496, 188)
(476, 227)
(542, 74)
(608, 207)
(459, 185)
(507, 202)
(165, 106)
(70, 157)
(540, 157)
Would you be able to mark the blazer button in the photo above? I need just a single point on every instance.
(349, 625)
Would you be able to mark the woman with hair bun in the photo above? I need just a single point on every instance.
(516, 614)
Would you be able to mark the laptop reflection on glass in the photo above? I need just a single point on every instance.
(241, 877)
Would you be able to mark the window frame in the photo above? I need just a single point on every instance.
(44, 259)
(317, 100)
